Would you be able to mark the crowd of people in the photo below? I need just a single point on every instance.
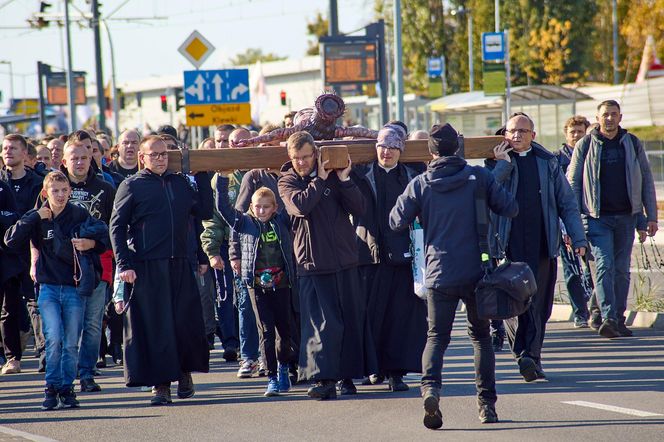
(304, 274)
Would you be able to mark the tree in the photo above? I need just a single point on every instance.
(252, 55)
(549, 47)
(642, 18)
(317, 29)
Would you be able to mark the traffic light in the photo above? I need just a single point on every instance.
(164, 103)
(282, 95)
(179, 98)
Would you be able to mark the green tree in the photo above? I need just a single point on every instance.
(252, 55)
(316, 28)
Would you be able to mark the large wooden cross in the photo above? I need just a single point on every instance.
(361, 151)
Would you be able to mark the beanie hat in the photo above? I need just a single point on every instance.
(443, 140)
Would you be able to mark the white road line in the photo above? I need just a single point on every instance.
(622, 410)
(23, 434)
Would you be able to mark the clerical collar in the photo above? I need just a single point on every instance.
(524, 153)
(387, 169)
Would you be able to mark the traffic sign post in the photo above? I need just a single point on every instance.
(216, 97)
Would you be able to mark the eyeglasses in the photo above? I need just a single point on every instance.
(518, 131)
(304, 157)
(157, 155)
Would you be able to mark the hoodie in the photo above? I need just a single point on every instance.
(443, 198)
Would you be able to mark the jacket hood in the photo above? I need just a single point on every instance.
(596, 133)
(447, 173)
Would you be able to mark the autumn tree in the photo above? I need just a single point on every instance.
(316, 29)
(253, 55)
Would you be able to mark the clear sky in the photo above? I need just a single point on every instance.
(147, 48)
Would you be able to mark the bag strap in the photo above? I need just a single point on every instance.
(482, 217)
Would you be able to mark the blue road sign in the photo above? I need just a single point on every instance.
(493, 46)
(435, 67)
(213, 87)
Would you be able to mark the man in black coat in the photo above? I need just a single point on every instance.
(320, 203)
(396, 316)
(164, 333)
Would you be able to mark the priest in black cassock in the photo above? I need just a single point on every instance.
(164, 335)
(397, 318)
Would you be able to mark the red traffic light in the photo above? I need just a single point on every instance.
(164, 103)
(282, 95)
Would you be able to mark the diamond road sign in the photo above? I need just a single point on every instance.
(214, 87)
(196, 49)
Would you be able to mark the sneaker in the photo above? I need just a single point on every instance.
(433, 418)
(580, 323)
(609, 329)
(186, 387)
(323, 390)
(346, 387)
(272, 387)
(497, 341)
(162, 395)
(89, 386)
(68, 397)
(51, 400)
(624, 331)
(595, 320)
(376, 379)
(230, 354)
(12, 366)
(248, 369)
(396, 383)
(488, 414)
(528, 369)
(262, 369)
(283, 378)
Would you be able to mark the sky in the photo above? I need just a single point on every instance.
(149, 47)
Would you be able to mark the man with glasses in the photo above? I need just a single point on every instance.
(164, 334)
(127, 163)
(533, 175)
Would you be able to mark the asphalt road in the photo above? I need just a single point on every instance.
(588, 376)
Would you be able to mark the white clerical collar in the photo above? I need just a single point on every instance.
(524, 153)
(387, 169)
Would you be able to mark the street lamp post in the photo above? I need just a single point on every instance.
(11, 78)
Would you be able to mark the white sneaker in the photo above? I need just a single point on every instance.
(12, 366)
(247, 369)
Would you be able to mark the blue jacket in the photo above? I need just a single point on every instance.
(249, 229)
(558, 202)
(444, 200)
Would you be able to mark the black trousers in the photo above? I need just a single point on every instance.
(10, 318)
(525, 333)
(273, 314)
(442, 306)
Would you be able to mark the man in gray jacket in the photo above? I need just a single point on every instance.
(534, 177)
(611, 178)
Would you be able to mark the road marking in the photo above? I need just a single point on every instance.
(23, 434)
(622, 410)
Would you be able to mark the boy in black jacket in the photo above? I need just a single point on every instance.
(50, 229)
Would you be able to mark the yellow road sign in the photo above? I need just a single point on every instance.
(216, 114)
(196, 49)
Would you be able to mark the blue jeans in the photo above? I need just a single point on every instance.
(62, 321)
(227, 328)
(611, 238)
(577, 295)
(247, 319)
(92, 318)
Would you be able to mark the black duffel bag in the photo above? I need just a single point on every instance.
(506, 290)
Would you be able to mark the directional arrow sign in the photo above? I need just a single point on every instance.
(214, 87)
(216, 114)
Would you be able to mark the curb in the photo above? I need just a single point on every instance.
(563, 313)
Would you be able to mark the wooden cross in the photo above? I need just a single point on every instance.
(361, 151)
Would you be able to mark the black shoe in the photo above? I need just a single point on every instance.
(376, 379)
(162, 395)
(186, 386)
(89, 386)
(346, 387)
(609, 329)
(624, 331)
(323, 390)
(488, 414)
(116, 354)
(433, 418)
(541, 376)
(396, 383)
(51, 400)
(497, 341)
(230, 354)
(528, 369)
(595, 321)
(68, 397)
(101, 362)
